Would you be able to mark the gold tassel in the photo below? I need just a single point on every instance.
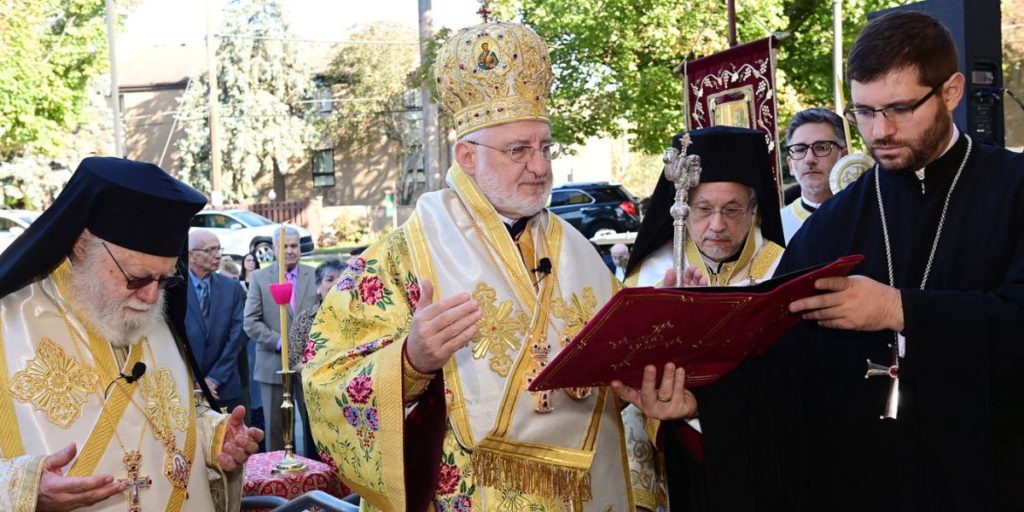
(498, 469)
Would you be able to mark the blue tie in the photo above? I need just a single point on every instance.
(204, 297)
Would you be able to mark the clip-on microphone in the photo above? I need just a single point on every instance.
(544, 267)
(138, 370)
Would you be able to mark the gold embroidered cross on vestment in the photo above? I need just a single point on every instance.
(55, 383)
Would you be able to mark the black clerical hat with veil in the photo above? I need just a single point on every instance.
(726, 154)
(132, 204)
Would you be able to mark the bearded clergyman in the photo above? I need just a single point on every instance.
(97, 410)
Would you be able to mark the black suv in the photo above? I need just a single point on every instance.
(596, 207)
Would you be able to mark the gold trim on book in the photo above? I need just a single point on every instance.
(423, 264)
(10, 434)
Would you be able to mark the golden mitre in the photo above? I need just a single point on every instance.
(492, 74)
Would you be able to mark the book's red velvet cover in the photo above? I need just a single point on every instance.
(708, 331)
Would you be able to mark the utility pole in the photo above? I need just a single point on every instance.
(732, 22)
(837, 64)
(431, 158)
(115, 89)
(216, 194)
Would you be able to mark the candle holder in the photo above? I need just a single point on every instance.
(288, 464)
(282, 293)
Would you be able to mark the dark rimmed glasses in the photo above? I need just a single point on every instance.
(136, 283)
(898, 113)
(821, 149)
(522, 153)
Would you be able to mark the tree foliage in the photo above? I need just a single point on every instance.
(265, 103)
(373, 78)
(614, 60)
(49, 51)
(1013, 69)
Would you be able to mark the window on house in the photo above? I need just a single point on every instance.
(323, 168)
(323, 100)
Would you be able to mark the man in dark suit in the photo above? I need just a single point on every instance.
(214, 319)
(263, 325)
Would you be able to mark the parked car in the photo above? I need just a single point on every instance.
(242, 231)
(12, 224)
(597, 208)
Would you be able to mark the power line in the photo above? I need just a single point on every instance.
(319, 41)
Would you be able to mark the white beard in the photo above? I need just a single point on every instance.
(508, 199)
(107, 314)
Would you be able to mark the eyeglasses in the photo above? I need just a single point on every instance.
(523, 154)
(208, 250)
(898, 113)
(821, 148)
(135, 283)
(732, 213)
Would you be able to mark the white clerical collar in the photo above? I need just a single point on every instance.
(506, 220)
(952, 140)
(810, 203)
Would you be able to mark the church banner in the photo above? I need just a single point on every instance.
(735, 87)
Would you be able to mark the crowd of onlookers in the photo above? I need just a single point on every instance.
(233, 329)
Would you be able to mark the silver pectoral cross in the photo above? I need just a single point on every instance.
(892, 402)
(684, 171)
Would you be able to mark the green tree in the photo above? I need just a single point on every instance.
(49, 51)
(265, 104)
(614, 60)
(1013, 69)
(374, 86)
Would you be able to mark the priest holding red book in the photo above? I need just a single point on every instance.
(902, 386)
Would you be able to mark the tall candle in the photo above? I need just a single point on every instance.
(284, 310)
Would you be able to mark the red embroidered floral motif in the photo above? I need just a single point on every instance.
(371, 290)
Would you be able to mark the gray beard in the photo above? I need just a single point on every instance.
(105, 314)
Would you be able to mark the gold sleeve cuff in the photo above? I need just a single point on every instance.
(218, 442)
(414, 382)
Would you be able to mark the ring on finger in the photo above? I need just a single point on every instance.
(664, 400)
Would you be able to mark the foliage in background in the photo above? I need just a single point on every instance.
(32, 180)
(1013, 69)
(373, 86)
(265, 100)
(352, 226)
(53, 102)
(614, 60)
(49, 51)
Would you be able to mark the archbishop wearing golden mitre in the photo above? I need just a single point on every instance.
(97, 410)
(422, 354)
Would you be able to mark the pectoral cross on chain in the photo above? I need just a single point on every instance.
(892, 403)
(134, 483)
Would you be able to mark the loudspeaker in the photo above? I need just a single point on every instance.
(977, 32)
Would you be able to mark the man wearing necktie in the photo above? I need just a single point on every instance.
(214, 319)
(263, 325)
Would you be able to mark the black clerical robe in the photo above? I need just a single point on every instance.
(958, 443)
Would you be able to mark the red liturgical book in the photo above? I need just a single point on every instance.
(707, 330)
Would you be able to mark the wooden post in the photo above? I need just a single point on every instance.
(732, 22)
